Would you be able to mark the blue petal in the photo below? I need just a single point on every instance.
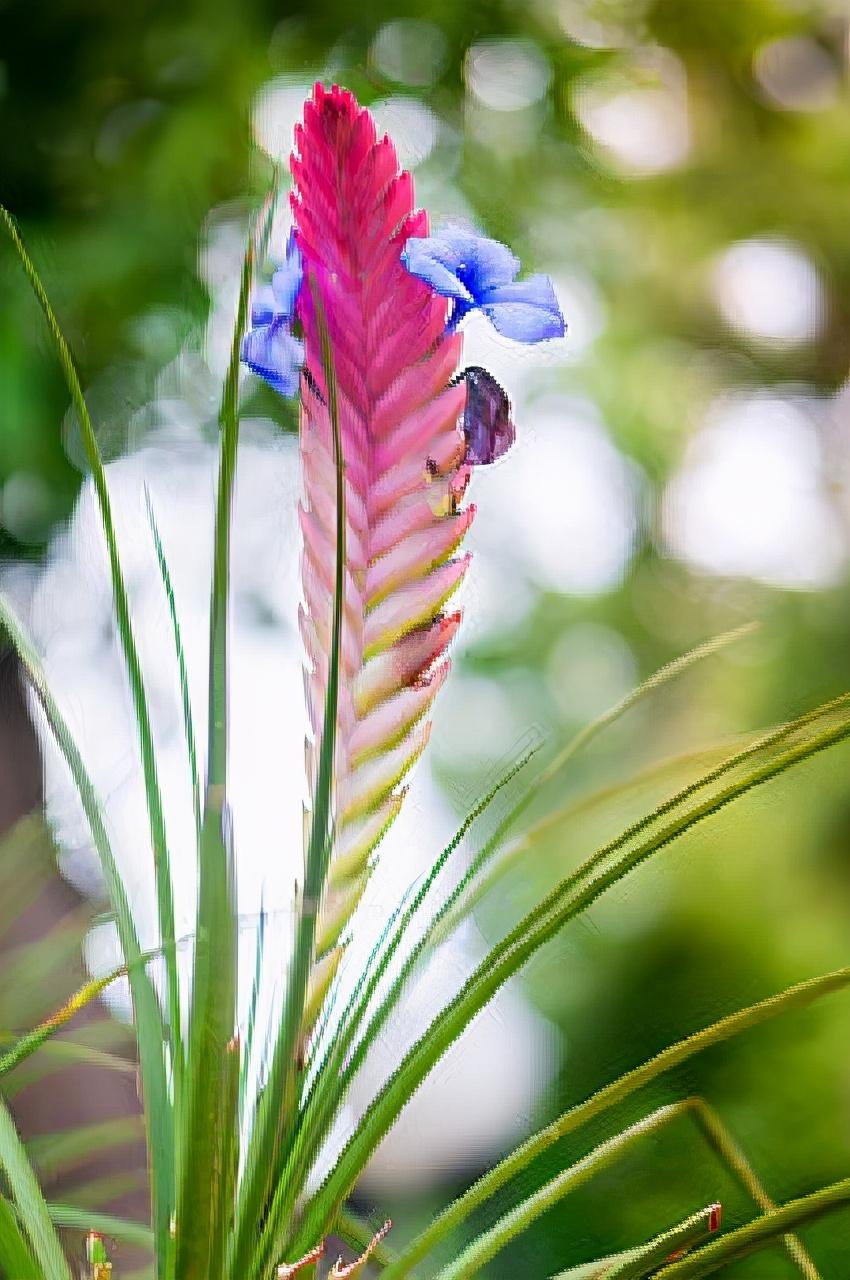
(459, 263)
(481, 263)
(286, 281)
(271, 352)
(526, 310)
(263, 305)
(487, 264)
(431, 260)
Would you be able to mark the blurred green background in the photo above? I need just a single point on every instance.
(683, 171)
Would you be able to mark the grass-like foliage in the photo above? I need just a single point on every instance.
(388, 440)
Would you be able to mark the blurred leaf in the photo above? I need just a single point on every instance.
(29, 1202)
(56, 1153)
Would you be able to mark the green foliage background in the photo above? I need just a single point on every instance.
(122, 126)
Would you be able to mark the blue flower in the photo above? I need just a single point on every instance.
(269, 348)
(476, 272)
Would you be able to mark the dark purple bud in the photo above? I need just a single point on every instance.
(487, 423)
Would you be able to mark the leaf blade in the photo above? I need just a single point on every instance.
(153, 796)
(29, 1203)
(151, 1031)
(565, 902)
(759, 1233)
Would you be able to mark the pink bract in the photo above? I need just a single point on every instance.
(403, 448)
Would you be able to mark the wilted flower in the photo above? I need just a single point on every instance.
(487, 424)
(476, 272)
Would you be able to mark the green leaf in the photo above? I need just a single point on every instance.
(183, 674)
(359, 1236)
(68, 1215)
(470, 886)
(277, 1106)
(659, 678)
(798, 996)
(208, 1154)
(29, 1203)
(16, 1260)
(756, 764)
(149, 1024)
(35, 1039)
(644, 1260)
(104, 1190)
(475, 886)
(464, 897)
(251, 1022)
(635, 1264)
(340, 1063)
(485, 1246)
(761, 1233)
(55, 1153)
(63, 1051)
(165, 904)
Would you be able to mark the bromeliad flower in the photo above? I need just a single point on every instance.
(400, 419)
(478, 273)
(269, 349)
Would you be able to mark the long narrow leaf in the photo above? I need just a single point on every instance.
(465, 896)
(16, 1260)
(68, 1215)
(150, 1029)
(35, 1039)
(643, 1261)
(485, 1246)
(342, 1062)
(759, 1234)
(208, 1153)
(62, 1051)
(276, 1111)
(481, 879)
(182, 671)
(164, 894)
(639, 1261)
(755, 765)
(56, 1153)
(29, 1203)
(798, 996)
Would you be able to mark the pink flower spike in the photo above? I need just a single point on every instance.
(401, 417)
